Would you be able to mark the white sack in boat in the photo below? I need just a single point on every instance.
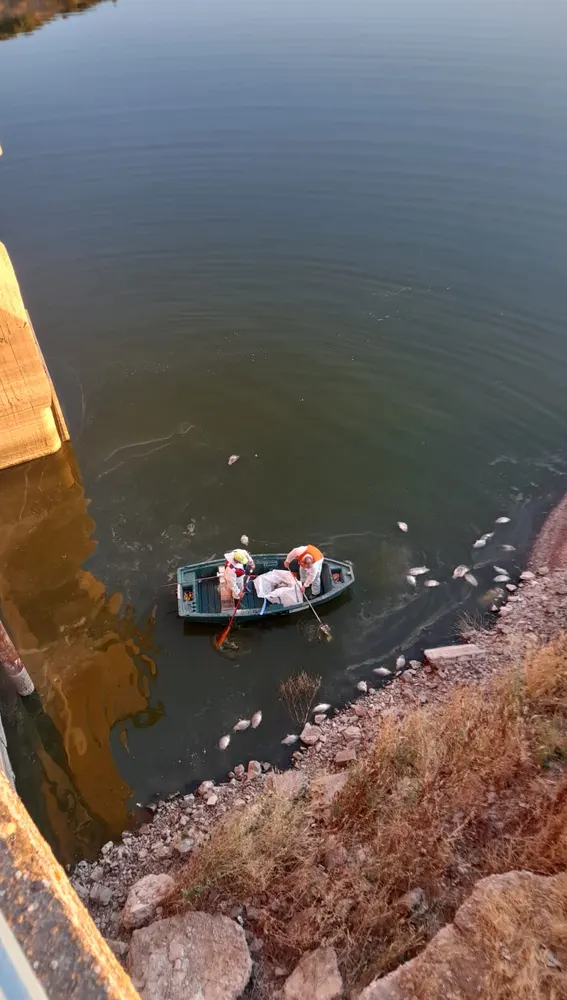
(279, 586)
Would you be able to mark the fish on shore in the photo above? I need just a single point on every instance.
(419, 570)
(289, 739)
(241, 725)
(223, 742)
(502, 520)
(256, 720)
(402, 526)
(471, 579)
(460, 571)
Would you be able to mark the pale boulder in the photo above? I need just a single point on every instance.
(310, 735)
(144, 898)
(315, 977)
(192, 956)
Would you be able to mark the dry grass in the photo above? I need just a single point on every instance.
(510, 944)
(298, 694)
(473, 786)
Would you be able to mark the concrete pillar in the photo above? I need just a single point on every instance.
(13, 666)
(31, 421)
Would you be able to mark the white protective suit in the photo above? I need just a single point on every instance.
(235, 571)
(309, 577)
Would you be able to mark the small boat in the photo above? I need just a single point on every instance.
(198, 596)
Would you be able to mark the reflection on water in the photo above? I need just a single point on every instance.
(22, 17)
(88, 658)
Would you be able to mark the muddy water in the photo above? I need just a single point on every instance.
(330, 238)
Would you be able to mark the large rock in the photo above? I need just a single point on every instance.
(192, 956)
(310, 735)
(144, 898)
(443, 656)
(511, 927)
(316, 977)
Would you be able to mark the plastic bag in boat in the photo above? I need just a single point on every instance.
(279, 586)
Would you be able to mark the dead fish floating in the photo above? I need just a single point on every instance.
(411, 580)
(432, 583)
(502, 520)
(362, 686)
(233, 459)
(471, 579)
(382, 672)
(290, 739)
(419, 570)
(499, 569)
(244, 540)
(223, 742)
(256, 720)
(501, 578)
(323, 707)
(400, 662)
(480, 543)
(508, 548)
(460, 571)
(241, 725)
(485, 537)
(402, 526)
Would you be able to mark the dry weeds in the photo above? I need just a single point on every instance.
(472, 786)
(298, 694)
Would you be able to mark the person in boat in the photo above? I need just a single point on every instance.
(310, 560)
(239, 564)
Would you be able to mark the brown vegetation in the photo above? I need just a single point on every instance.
(473, 786)
(298, 694)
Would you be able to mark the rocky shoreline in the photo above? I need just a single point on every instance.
(533, 614)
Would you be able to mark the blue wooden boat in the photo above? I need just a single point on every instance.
(198, 597)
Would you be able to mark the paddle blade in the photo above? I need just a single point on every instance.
(221, 638)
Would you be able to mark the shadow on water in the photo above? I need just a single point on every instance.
(87, 656)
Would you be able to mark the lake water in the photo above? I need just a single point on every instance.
(328, 237)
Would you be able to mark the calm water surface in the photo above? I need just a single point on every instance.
(328, 237)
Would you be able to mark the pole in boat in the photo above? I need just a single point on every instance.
(222, 638)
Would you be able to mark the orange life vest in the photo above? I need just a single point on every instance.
(313, 551)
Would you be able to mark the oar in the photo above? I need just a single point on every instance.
(219, 642)
(325, 629)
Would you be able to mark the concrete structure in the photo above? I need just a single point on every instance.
(61, 944)
(5, 762)
(13, 666)
(31, 421)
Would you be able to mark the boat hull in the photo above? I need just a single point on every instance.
(198, 598)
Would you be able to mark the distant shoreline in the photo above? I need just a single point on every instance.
(18, 17)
